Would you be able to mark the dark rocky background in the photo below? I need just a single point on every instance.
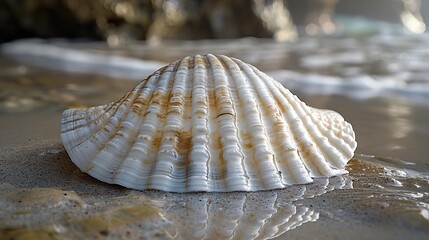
(127, 20)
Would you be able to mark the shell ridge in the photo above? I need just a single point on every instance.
(235, 177)
(337, 151)
(146, 96)
(104, 118)
(71, 138)
(71, 119)
(218, 168)
(101, 113)
(170, 150)
(185, 141)
(325, 119)
(300, 168)
(146, 146)
(79, 133)
(242, 120)
(262, 92)
(80, 118)
(81, 153)
(269, 176)
(214, 170)
(199, 155)
(103, 109)
(106, 159)
(329, 153)
(217, 101)
(295, 167)
(347, 138)
(156, 170)
(138, 102)
(317, 154)
(310, 156)
(207, 119)
(308, 151)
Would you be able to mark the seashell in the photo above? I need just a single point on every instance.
(207, 123)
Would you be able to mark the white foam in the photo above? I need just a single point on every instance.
(71, 60)
(326, 60)
(357, 87)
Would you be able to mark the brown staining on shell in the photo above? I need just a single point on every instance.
(184, 141)
(248, 145)
(156, 141)
(138, 105)
(223, 101)
(159, 98)
(200, 61)
(106, 129)
(219, 142)
(222, 166)
(211, 99)
(160, 116)
(246, 140)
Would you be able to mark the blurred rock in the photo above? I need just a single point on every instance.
(105, 19)
(123, 21)
(179, 19)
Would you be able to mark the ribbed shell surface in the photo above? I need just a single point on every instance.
(207, 123)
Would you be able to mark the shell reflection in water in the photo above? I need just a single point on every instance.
(207, 123)
(245, 218)
(260, 215)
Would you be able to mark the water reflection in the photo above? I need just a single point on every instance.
(400, 114)
(244, 217)
(260, 215)
(154, 214)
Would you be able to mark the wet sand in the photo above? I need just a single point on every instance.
(43, 194)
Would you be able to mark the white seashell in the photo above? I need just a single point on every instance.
(207, 123)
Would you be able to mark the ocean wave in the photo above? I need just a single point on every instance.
(357, 87)
(39, 53)
(402, 77)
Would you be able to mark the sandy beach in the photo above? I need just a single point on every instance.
(44, 195)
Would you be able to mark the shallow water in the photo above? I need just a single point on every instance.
(385, 195)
